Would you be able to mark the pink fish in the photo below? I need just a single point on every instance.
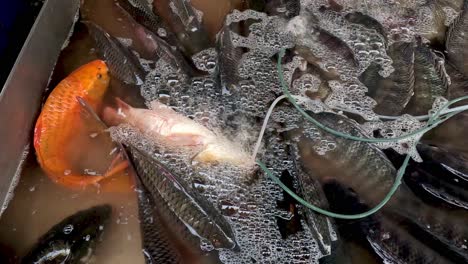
(173, 131)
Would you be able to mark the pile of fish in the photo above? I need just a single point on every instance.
(352, 65)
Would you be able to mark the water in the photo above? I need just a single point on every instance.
(270, 227)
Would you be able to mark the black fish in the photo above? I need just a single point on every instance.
(365, 169)
(186, 23)
(457, 41)
(393, 93)
(73, 239)
(122, 63)
(180, 204)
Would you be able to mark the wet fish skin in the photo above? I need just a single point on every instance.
(188, 28)
(229, 59)
(156, 244)
(394, 92)
(384, 236)
(365, 169)
(430, 80)
(283, 8)
(73, 239)
(122, 63)
(195, 212)
(367, 21)
(457, 41)
(141, 11)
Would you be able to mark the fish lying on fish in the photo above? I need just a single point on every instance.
(180, 205)
(457, 41)
(394, 92)
(157, 247)
(388, 239)
(73, 239)
(367, 21)
(122, 63)
(60, 122)
(174, 131)
(141, 11)
(364, 168)
(430, 80)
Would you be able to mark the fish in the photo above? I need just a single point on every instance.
(311, 190)
(283, 8)
(123, 64)
(157, 247)
(174, 131)
(392, 93)
(453, 161)
(60, 122)
(367, 21)
(381, 233)
(430, 80)
(73, 239)
(186, 23)
(365, 169)
(457, 41)
(228, 61)
(180, 203)
(141, 11)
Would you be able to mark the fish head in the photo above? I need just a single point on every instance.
(85, 228)
(95, 80)
(222, 241)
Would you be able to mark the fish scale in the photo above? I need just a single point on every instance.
(430, 80)
(199, 217)
(156, 243)
(342, 166)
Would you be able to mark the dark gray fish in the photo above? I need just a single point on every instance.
(178, 202)
(384, 236)
(161, 50)
(283, 8)
(157, 247)
(430, 80)
(186, 23)
(311, 190)
(457, 41)
(364, 168)
(142, 12)
(73, 239)
(458, 84)
(454, 162)
(228, 61)
(395, 245)
(393, 93)
(122, 63)
(367, 21)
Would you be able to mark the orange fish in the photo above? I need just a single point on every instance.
(61, 125)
